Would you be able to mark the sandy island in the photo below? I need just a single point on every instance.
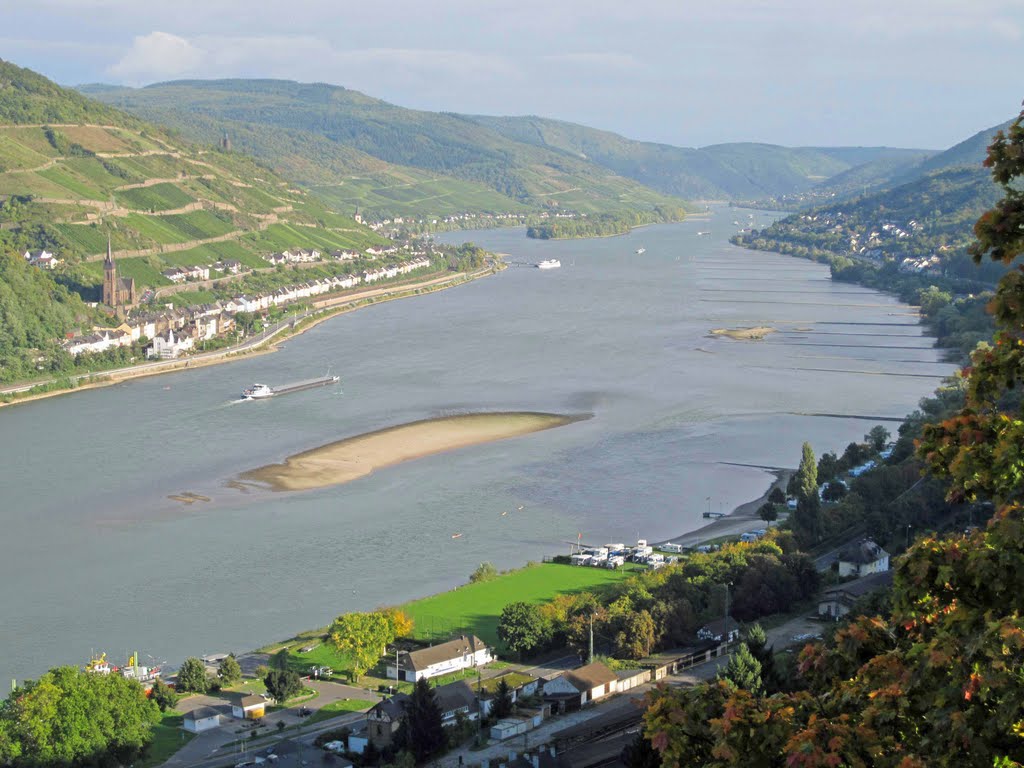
(744, 334)
(358, 456)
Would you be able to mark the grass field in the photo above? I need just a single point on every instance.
(336, 708)
(158, 197)
(168, 738)
(476, 607)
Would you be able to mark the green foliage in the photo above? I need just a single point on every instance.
(521, 628)
(163, 695)
(743, 671)
(878, 437)
(422, 724)
(602, 225)
(502, 706)
(807, 473)
(27, 97)
(483, 572)
(34, 313)
(283, 684)
(768, 512)
(363, 637)
(192, 676)
(229, 671)
(637, 636)
(73, 718)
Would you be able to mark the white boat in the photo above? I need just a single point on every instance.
(700, 234)
(549, 264)
(641, 250)
(257, 392)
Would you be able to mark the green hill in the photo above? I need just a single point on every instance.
(75, 172)
(736, 171)
(970, 151)
(930, 218)
(352, 147)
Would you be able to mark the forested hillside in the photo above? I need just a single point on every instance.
(316, 133)
(34, 312)
(735, 171)
(886, 171)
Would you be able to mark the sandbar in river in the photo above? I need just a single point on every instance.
(355, 457)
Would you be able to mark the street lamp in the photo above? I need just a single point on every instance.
(908, 535)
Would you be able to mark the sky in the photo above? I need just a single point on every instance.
(910, 73)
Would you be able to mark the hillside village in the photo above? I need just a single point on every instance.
(174, 332)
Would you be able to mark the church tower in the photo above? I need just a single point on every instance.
(110, 282)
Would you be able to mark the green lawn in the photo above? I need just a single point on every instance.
(336, 708)
(168, 738)
(476, 608)
(514, 680)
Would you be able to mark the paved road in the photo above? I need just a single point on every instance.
(212, 748)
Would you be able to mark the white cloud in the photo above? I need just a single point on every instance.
(158, 55)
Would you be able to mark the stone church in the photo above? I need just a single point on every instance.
(118, 293)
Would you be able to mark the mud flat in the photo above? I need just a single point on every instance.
(744, 334)
(355, 457)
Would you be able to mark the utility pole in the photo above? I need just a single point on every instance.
(726, 624)
(590, 657)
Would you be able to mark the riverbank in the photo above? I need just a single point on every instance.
(740, 520)
(355, 457)
(268, 342)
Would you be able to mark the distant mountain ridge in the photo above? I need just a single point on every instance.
(720, 171)
(337, 129)
(530, 160)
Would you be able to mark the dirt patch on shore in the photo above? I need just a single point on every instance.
(358, 456)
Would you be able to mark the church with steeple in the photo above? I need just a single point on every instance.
(118, 292)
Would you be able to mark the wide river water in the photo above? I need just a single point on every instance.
(94, 555)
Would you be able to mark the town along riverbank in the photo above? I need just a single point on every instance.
(323, 309)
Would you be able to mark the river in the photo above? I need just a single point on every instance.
(95, 555)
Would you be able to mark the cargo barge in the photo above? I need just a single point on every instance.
(262, 391)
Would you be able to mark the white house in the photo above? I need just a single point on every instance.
(201, 719)
(582, 686)
(42, 259)
(98, 342)
(462, 652)
(167, 346)
(249, 707)
(862, 558)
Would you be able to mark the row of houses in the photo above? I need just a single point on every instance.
(184, 274)
(176, 332)
(564, 692)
